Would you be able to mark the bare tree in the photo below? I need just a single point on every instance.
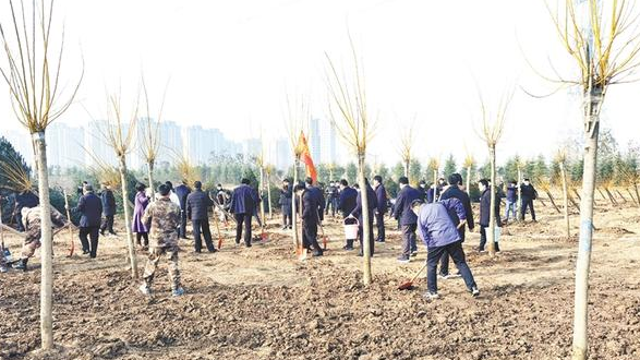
(492, 130)
(434, 165)
(120, 137)
(604, 42)
(349, 114)
(406, 147)
(561, 158)
(297, 117)
(151, 136)
(32, 72)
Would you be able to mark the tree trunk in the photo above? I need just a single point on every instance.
(407, 165)
(269, 197)
(577, 195)
(491, 231)
(127, 218)
(469, 180)
(637, 202)
(435, 184)
(150, 166)
(294, 214)
(46, 239)
(366, 226)
(565, 199)
(264, 221)
(592, 128)
(552, 200)
(624, 199)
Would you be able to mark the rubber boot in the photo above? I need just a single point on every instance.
(349, 246)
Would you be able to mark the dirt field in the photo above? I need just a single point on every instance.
(260, 303)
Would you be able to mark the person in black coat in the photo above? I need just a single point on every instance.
(454, 191)
(90, 206)
(485, 213)
(285, 204)
(243, 206)
(183, 191)
(318, 194)
(358, 212)
(198, 204)
(332, 198)
(381, 209)
(346, 203)
(528, 193)
(310, 219)
(108, 209)
(408, 219)
(26, 199)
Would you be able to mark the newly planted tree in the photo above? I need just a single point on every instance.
(32, 71)
(406, 147)
(151, 136)
(350, 115)
(120, 136)
(603, 41)
(492, 130)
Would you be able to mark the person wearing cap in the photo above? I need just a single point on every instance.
(310, 219)
(243, 205)
(402, 212)
(381, 209)
(164, 217)
(198, 204)
(528, 193)
(183, 191)
(90, 208)
(441, 237)
(454, 191)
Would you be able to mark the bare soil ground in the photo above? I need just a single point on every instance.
(260, 303)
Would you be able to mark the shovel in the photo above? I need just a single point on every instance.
(407, 285)
(215, 217)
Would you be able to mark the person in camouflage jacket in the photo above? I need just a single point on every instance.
(165, 220)
(31, 220)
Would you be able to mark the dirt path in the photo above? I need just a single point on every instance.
(260, 303)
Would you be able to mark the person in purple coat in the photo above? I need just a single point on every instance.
(138, 226)
(441, 236)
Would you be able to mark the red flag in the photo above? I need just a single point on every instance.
(305, 156)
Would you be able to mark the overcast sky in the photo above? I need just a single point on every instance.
(229, 65)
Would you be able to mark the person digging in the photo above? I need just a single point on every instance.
(441, 236)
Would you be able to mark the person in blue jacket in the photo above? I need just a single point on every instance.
(358, 213)
(441, 236)
(402, 212)
(346, 204)
(512, 200)
(198, 204)
(242, 206)
(381, 210)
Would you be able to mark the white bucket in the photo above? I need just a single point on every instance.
(351, 230)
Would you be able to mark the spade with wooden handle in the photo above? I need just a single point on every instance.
(66, 205)
(407, 285)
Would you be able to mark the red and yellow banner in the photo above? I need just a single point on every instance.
(305, 156)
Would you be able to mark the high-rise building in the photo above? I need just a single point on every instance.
(66, 150)
(328, 143)
(315, 140)
(283, 154)
(95, 144)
